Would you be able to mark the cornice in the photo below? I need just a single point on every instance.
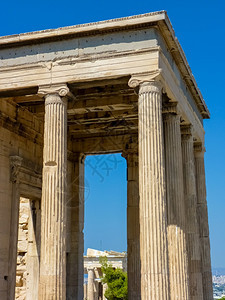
(93, 28)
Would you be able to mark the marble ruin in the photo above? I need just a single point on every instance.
(116, 86)
(94, 289)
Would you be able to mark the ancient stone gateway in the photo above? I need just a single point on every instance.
(121, 85)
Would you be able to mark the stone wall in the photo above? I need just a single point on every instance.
(21, 270)
(14, 141)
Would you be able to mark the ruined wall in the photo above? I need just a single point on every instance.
(21, 270)
(20, 134)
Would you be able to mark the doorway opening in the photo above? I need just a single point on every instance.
(105, 218)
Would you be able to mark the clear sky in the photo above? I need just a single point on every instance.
(200, 28)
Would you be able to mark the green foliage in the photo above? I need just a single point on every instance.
(116, 281)
(223, 298)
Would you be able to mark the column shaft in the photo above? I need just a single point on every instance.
(53, 222)
(75, 236)
(133, 228)
(192, 230)
(153, 240)
(91, 292)
(175, 204)
(202, 215)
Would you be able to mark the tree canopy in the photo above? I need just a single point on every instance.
(116, 280)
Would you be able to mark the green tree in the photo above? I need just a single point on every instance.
(116, 281)
(223, 298)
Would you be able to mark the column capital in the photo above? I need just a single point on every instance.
(199, 149)
(61, 90)
(146, 82)
(90, 268)
(170, 108)
(186, 131)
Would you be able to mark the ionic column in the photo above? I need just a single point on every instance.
(53, 215)
(75, 225)
(202, 215)
(175, 208)
(152, 205)
(133, 225)
(91, 283)
(190, 202)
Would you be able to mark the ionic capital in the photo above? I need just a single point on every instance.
(199, 149)
(146, 82)
(61, 90)
(170, 108)
(186, 131)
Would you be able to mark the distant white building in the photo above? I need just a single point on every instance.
(94, 289)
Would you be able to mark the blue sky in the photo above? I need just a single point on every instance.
(199, 26)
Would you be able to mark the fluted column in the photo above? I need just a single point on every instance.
(153, 240)
(175, 209)
(202, 215)
(75, 222)
(53, 215)
(190, 201)
(91, 293)
(133, 225)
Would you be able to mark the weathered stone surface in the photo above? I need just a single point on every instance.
(153, 221)
(202, 215)
(89, 66)
(192, 226)
(178, 264)
(53, 237)
(21, 269)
